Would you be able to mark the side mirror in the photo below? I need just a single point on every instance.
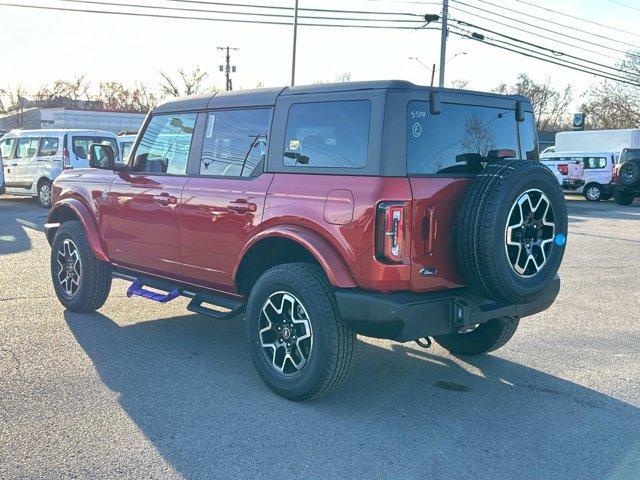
(102, 156)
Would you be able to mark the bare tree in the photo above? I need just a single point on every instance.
(64, 93)
(550, 106)
(186, 84)
(12, 101)
(612, 104)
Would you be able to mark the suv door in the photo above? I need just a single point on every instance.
(223, 200)
(141, 229)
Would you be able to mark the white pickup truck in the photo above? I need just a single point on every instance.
(568, 171)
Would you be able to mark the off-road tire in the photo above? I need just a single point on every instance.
(95, 278)
(480, 230)
(487, 337)
(44, 196)
(333, 341)
(593, 192)
(623, 198)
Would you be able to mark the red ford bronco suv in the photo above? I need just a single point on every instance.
(380, 208)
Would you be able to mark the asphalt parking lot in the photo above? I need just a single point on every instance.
(140, 390)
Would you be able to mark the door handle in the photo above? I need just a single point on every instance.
(165, 199)
(13, 165)
(242, 206)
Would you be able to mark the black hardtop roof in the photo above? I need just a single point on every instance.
(268, 96)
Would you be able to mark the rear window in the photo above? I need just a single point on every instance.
(80, 144)
(458, 140)
(328, 134)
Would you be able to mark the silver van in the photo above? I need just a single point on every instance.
(32, 159)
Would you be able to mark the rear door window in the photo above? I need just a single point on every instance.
(235, 142)
(328, 134)
(165, 144)
(48, 147)
(592, 163)
(27, 147)
(528, 138)
(459, 139)
(81, 144)
(6, 147)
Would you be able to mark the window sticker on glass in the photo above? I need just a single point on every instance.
(294, 144)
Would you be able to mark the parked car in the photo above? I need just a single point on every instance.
(2, 187)
(627, 177)
(569, 172)
(598, 168)
(126, 144)
(34, 158)
(379, 208)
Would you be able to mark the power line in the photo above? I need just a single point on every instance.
(559, 63)
(227, 12)
(521, 49)
(282, 7)
(555, 52)
(209, 19)
(547, 9)
(518, 12)
(522, 30)
(539, 27)
(624, 5)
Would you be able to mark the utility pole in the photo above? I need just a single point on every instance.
(443, 39)
(295, 41)
(228, 68)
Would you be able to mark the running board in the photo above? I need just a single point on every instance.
(231, 307)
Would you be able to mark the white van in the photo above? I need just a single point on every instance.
(34, 158)
(598, 171)
(568, 171)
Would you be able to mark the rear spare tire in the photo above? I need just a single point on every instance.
(510, 231)
(629, 173)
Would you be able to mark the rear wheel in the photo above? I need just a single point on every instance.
(81, 281)
(299, 344)
(623, 198)
(593, 192)
(482, 339)
(44, 193)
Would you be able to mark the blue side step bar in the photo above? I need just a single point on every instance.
(231, 306)
(137, 288)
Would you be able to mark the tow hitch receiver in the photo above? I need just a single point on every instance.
(137, 288)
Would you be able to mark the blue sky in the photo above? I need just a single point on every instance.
(41, 46)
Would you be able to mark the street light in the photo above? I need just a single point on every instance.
(433, 68)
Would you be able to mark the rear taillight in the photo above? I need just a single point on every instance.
(390, 229)
(66, 163)
(563, 169)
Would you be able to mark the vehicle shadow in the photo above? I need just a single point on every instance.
(16, 215)
(188, 383)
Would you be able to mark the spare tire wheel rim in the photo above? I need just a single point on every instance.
(69, 267)
(285, 333)
(626, 173)
(529, 233)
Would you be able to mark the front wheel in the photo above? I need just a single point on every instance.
(44, 194)
(482, 339)
(81, 281)
(298, 342)
(593, 192)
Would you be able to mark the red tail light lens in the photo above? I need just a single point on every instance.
(65, 158)
(390, 241)
(563, 169)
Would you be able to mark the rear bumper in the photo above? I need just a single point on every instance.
(407, 316)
